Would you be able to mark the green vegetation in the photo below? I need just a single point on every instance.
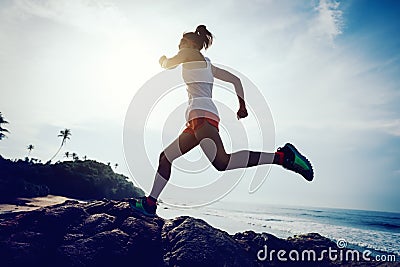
(65, 136)
(87, 179)
(77, 179)
(30, 148)
(2, 130)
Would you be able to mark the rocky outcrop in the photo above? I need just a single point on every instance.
(109, 233)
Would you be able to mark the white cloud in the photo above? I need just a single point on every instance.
(389, 126)
(329, 21)
(94, 16)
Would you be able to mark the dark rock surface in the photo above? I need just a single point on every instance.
(109, 233)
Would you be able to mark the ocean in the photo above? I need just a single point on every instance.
(376, 231)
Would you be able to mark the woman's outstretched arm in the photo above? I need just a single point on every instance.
(227, 76)
(170, 63)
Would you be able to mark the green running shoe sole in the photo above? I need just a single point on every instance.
(138, 206)
(301, 164)
(298, 163)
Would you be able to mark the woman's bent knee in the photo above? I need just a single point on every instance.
(163, 160)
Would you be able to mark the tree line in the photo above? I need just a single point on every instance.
(79, 179)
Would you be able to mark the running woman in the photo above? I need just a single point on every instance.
(203, 119)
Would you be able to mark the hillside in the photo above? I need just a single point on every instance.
(74, 179)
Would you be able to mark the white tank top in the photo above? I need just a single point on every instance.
(199, 83)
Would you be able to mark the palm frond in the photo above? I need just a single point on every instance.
(2, 120)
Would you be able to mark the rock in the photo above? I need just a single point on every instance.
(98, 206)
(193, 242)
(253, 242)
(145, 240)
(109, 233)
(97, 223)
(108, 248)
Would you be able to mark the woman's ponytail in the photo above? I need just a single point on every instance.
(201, 37)
(205, 35)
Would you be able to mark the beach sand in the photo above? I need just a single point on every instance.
(28, 204)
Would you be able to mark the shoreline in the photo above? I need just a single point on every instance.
(216, 220)
(234, 221)
(105, 232)
(29, 204)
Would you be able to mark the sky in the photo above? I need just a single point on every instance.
(328, 70)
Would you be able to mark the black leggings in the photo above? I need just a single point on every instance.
(210, 142)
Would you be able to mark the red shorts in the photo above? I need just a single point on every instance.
(196, 123)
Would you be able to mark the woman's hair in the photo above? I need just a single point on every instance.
(201, 37)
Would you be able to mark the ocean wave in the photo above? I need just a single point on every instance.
(358, 228)
(386, 225)
(365, 230)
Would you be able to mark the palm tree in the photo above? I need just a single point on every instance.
(84, 157)
(2, 130)
(65, 135)
(75, 156)
(30, 147)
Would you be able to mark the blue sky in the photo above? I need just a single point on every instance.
(329, 71)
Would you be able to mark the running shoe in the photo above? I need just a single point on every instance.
(141, 205)
(294, 161)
